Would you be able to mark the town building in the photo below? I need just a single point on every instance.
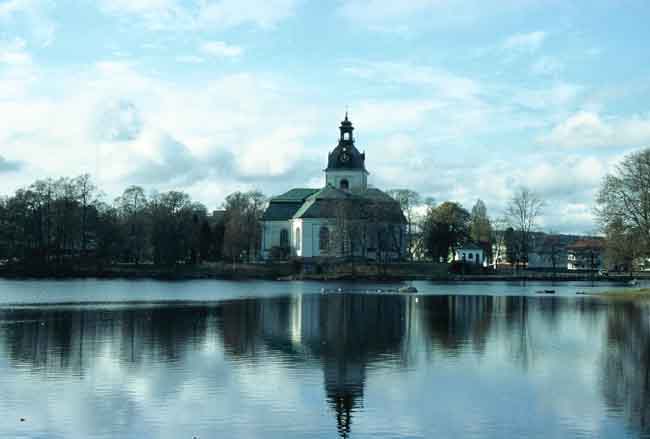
(343, 219)
(547, 251)
(586, 255)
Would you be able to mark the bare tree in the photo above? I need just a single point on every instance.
(86, 193)
(132, 205)
(624, 199)
(480, 228)
(623, 246)
(498, 239)
(523, 212)
(242, 235)
(409, 201)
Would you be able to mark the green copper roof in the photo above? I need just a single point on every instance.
(294, 195)
(313, 207)
(283, 207)
(322, 203)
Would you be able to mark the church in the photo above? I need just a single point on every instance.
(345, 219)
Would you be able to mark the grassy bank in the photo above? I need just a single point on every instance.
(638, 294)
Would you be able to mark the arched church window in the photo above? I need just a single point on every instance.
(284, 238)
(298, 238)
(324, 238)
(344, 184)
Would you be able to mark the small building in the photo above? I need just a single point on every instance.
(586, 255)
(471, 253)
(344, 219)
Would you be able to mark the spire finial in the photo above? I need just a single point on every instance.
(346, 113)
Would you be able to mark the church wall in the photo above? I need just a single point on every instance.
(271, 235)
(310, 237)
(313, 227)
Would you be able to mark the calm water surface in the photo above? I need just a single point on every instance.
(124, 359)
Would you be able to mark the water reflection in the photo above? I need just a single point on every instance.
(344, 333)
(347, 339)
(626, 380)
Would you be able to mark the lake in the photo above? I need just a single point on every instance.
(207, 359)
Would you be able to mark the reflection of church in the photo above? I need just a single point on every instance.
(344, 218)
(346, 333)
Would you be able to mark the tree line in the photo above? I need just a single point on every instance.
(437, 231)
(67, 222)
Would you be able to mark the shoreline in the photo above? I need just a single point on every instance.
(288, 273)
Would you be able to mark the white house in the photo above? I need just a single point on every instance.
(586, 255)
(345, 218)
(471, 253)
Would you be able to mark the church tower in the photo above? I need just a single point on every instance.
(346, 168)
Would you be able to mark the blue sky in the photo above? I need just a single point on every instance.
(458, 100)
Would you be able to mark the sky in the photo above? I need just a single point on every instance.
(458, 100)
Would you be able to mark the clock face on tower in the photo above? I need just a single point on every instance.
(345, 157)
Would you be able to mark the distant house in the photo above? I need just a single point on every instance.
(471, 253)
(550, 250)
(586, 255)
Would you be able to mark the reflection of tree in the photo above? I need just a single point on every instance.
(452, 321)
(66, 339)
(626, 381)
(517, 315)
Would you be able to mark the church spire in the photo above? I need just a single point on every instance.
(346, 130)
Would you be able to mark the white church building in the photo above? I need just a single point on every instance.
(344, 219)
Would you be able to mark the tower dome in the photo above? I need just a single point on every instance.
(346, 166)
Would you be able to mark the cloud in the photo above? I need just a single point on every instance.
(402, 17)
(17, 70)
(562, 180)
(154, 158)
(9, 166)
(220, 49)
(201, 14)
(444, 105)
(406, 17)
(438, 80)
(525, 42)
(14, 53)
(380, 10)
(560, 95)
(588, 129)
(119, 121)
(9, 8)
(232, 13)
(33, 14)
(190, 59)
(546, 66)
(128, 126)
